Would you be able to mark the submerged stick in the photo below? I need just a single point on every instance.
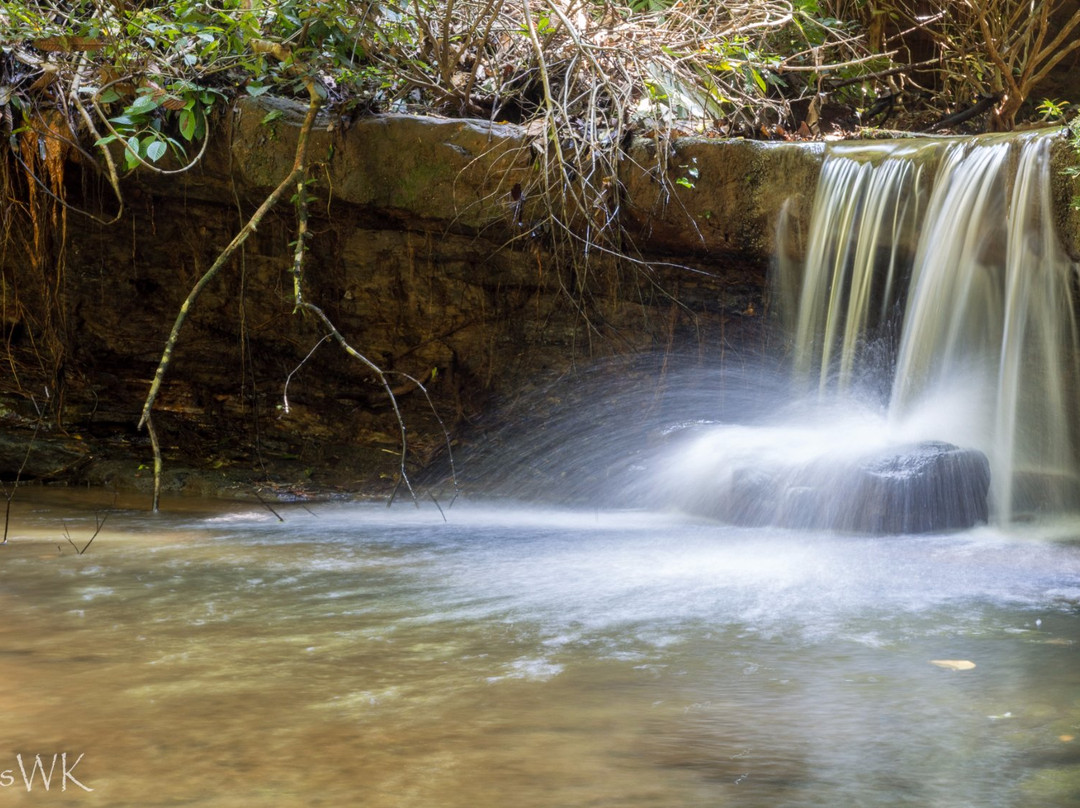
(10, 495)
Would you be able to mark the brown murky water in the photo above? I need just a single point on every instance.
(355, 655)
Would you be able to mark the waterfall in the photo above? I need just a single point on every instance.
(934, 279)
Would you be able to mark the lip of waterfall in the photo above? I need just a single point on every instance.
(944, 260)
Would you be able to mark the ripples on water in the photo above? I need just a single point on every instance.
(355, 654)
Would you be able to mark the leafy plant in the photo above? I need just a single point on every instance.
(1050, 110)
(149, 126)
(999, 49)
(690, 174)
(1072, 134)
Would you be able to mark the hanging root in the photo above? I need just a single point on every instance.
(586, 78)
(297, 172)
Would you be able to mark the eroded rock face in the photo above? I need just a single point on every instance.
(419, 257)
(1066, 189)
(29, 454)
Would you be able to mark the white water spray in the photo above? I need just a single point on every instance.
(987, 351)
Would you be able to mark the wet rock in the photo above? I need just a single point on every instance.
(25, 455)
(731, 207)
(918, 488)
(754, 494)
(923, 488)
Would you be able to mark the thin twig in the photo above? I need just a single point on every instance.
(9, 495)
(379, 374)
(288, 379)
(437, 505)
(267, 505)
(99, 524)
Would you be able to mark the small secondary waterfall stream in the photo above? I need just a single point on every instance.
(934, 276)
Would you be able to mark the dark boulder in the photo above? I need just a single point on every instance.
(924, 487)
(27, 454)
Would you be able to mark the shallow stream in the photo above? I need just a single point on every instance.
(353, 654)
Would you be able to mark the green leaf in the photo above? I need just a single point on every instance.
(177, 147)
(142, 105)
(109, 96)
(759, 80)
(188, 123)
(154, 148)
(131, 153)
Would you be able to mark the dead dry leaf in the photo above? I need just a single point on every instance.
(953, 664)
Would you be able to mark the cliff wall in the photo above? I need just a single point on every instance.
(426, 254)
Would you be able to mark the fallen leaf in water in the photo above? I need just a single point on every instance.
(1066, 738)
(953, 664)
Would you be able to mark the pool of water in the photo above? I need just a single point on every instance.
(353, 654)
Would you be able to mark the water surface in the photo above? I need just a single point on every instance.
(359, 655)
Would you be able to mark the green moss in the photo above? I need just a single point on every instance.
(416, 190)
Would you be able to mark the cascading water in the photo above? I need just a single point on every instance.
(971, 276)
(932, 320)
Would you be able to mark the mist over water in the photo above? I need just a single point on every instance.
(937, 267)
(574, 571)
